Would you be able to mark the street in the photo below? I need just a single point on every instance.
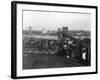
(36, 61)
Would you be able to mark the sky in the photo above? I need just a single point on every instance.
(54, 20)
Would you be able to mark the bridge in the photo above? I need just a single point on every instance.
(48, 51)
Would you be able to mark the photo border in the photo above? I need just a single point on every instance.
(14, 38)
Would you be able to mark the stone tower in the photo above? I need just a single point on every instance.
(65, 31)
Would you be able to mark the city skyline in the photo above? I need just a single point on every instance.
(53, 21)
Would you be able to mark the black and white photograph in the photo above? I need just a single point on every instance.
(54, 39)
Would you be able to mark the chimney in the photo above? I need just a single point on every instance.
(30, 30)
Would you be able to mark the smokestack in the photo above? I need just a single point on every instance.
(30, 30)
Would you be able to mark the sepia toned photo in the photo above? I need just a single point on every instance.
(56, 39)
